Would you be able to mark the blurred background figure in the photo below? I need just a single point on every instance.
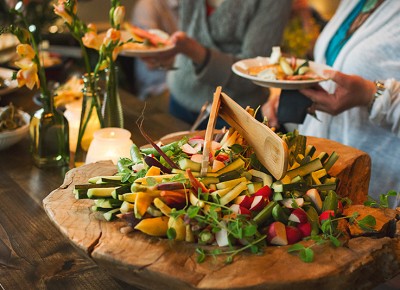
(153, 14)
(213, 36)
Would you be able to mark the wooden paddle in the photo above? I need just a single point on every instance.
(210, 131)
(270, 149)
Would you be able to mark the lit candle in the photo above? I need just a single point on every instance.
(73, 115)
(109, 144)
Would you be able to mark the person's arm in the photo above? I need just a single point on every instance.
(351, 91)
(263, 32)
(354, 91)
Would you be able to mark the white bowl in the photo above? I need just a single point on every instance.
(9, 138)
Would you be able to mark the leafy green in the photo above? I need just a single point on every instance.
(383, 199)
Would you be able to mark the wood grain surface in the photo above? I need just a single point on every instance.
(33, 252)
(153, 263)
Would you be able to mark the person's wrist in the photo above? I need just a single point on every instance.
(379, 88)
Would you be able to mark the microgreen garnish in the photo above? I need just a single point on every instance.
(383, 199)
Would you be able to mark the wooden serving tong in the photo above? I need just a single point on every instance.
(270, 149)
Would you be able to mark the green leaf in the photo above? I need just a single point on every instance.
(229, 259)
(171, 234)
(307, 255)
(367, 223)
(201, 255)
(254, 249)
(334, 241)
(216, 252)
(236, 148)
(250, 230)
(193, 211)
(296, 247)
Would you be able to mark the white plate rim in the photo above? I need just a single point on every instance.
(145, 52)
(240, 66)
(6, 73)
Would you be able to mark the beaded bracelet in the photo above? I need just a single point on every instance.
(380, 88)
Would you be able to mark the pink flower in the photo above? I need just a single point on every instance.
(60, 10)
(119, 15)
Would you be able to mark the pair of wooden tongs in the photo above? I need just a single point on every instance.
(270, 149)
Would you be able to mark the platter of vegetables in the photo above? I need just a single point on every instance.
(236, 204)
(177, 230)
(158, 221)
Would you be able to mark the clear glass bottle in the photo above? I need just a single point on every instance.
(90, 118)
(49, 136)
(112, 108)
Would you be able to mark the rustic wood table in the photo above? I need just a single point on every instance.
(33, 253)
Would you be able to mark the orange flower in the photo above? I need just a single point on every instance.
(25, 50)
(28, 73)
(91, 39)
(60, 10)
(119, 15)
(113, 35)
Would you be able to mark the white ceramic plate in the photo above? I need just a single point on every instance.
(6, 74)
(145, 52)
(241, 68)
(8, 42)
(141, 50)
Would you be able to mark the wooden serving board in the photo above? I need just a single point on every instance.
(153, 263)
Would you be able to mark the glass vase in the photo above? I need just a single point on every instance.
(112, 108)
(90, 118)
(49, 136)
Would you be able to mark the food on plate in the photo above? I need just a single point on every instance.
(145, 39)
(282, 68)
(69, 91)
(8, 40)
(236, 204)
(10, 118)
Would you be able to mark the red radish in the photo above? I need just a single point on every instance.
(305, 229)
(340, 207)
(240, 209)
(197, 158)
(223, 157)
(277, 234)
(235, 208)
(244, 211)
(197, 147)
(265, 192)
(293, 235)
(299, 216)
(287, 202)
(196, 140)
(215, 146)
(189, 149)
(258, 203)
(315, 198)
(244, 201)
(325, 215)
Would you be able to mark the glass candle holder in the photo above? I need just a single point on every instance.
(73, 114)
(109, 144)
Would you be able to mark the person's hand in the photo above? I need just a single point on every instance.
(270, 108)
(351, 91)
(182, 44)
